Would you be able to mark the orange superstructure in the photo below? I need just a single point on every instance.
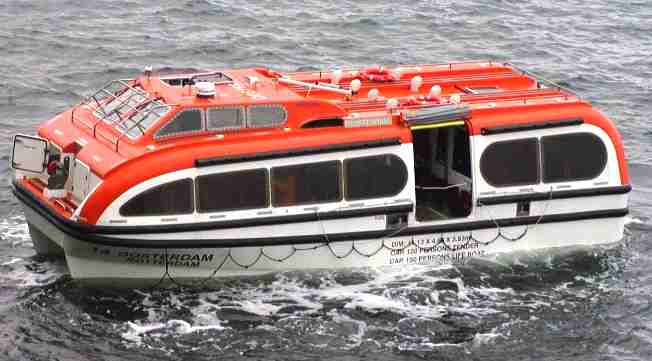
(507, 96)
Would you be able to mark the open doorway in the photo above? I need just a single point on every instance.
(442, 164)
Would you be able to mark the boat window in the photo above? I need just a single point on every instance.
(511, 163)
(571, 157)
(374, 177)
(186, 121)
(139, 122)
(120, 104)
(441, 154)
(190, 79)
(170, 198)
(231, 191)
(306, 183)
(265, 116)
(461, 152)
(222, 118)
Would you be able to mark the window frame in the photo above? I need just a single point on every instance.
(248, 116)
(176, 115)
(136, 126)
(604, 156)
(345, 181)
(468, 159)
(242, 109)
(340, 177)
(519, 184)
(155, 188)
(268, 196)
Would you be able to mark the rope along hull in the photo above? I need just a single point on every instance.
(93, 263)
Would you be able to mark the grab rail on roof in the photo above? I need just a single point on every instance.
(449, 64)
(136, 124)
(100, 99)
(543, 81)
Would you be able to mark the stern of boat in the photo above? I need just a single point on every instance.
(50, 183)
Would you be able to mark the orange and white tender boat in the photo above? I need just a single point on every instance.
(186, 177)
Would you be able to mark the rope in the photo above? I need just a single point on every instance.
(527, 227)
(355, 248)
(443, 188)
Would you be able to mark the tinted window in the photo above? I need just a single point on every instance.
(462, 153)
(511, 163)
(306, 183)
(184, 122)
(170, 198)
(260, 116)
(442, 147)
(575, 156)
(224, 118)
(374, 177)
(140, 121)
(231, 191)
(120, 105)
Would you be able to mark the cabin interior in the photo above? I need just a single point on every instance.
(442, 164)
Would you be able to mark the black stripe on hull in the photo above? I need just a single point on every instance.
(575, 193)
(192, 242)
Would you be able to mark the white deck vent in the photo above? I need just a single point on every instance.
(205, 89)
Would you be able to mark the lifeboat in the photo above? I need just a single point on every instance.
(185, 178)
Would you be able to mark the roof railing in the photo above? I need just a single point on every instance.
(111, 92)
(136, 124)
(544, 81)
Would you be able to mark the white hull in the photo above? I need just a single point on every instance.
(125, 266)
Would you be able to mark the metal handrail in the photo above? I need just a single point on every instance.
(449, 64)
(544, 81)
(226, 78)
(123, 102)
(138, 123)
(86, 100)
(103, 93)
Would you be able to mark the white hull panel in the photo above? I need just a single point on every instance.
(125, 266)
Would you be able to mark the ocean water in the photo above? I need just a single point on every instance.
(589, 305)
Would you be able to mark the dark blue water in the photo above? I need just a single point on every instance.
(591, 305)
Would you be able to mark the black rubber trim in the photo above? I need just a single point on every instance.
(532, 126)
(296, 152)
(542, 196)
(79, 232)
(29, 199)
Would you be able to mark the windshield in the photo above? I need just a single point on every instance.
(140, 121)
(128, 107)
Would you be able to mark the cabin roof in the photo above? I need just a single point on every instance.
(491, 90)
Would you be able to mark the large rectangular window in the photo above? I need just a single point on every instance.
(186, 121)
(375, 176)
(167, 199)
(511, 163)
(245, 189)
(572, 157)
(306, 183)
(266, 116)
(224, 118)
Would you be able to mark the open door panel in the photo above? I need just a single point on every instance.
(29, 153)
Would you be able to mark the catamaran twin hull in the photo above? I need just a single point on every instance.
(185, 178)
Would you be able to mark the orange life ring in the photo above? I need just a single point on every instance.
(379, 74)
